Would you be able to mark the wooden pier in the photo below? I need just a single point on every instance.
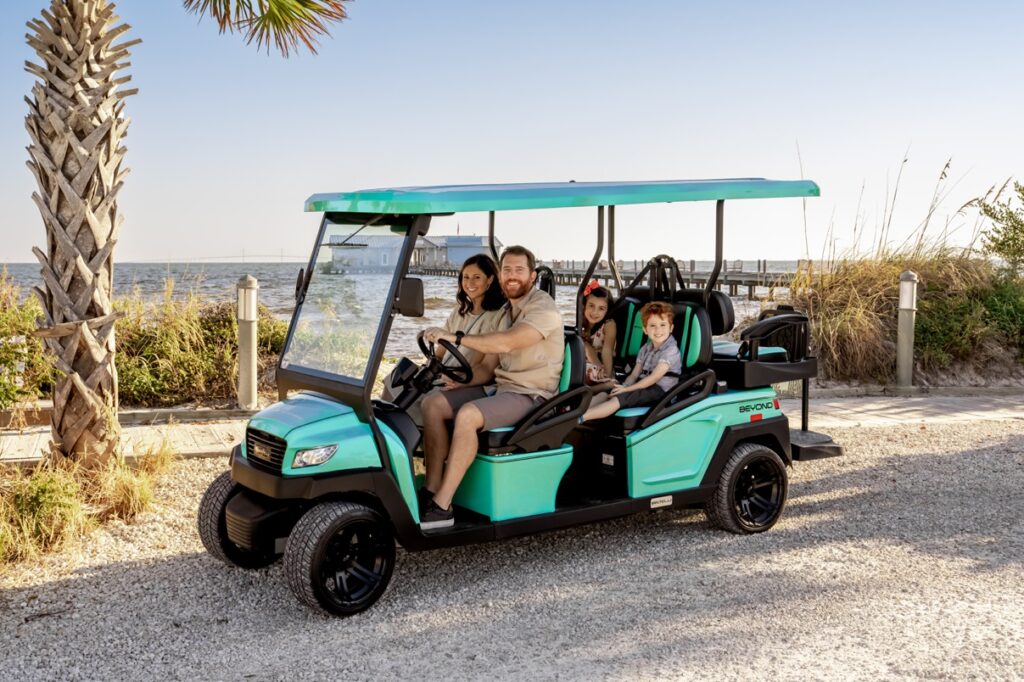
(731, 279)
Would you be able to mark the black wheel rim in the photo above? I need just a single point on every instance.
(757, 495)
(355, 565)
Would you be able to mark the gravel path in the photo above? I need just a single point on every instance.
(904, 559)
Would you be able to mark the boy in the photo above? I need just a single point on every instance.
(650, 378)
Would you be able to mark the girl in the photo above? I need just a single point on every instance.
(598, 333)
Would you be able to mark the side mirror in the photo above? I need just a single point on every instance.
(410, 297)
(298, 285)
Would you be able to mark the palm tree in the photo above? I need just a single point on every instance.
(76, 123)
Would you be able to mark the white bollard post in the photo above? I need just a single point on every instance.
(247, 320)
(905, 330)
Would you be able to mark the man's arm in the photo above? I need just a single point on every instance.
(519, 336)
(483, 373)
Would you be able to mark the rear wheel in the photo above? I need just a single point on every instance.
(340, 557)
(213, 529)
(751, 491)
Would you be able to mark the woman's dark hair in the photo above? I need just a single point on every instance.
(599, 292)
(493, 297)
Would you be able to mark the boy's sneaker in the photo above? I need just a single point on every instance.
(433, 517)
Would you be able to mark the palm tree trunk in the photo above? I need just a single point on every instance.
(76, 125)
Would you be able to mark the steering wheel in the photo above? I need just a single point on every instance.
(463, 373)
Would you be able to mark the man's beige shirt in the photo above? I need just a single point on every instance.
(536, 369)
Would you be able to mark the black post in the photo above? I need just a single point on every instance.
(805, 386)
(490, 235)
(611, 249)
(719, 224)
(593, 265)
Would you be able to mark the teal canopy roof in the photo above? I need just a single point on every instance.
(461, 198)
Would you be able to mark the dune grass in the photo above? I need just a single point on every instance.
(60, 502)
(178, 351)
(969, 310)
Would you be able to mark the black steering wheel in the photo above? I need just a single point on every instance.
(463, 373)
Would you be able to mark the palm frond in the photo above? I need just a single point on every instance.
(285, 23)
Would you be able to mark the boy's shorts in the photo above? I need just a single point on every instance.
(500, 409)
(645, 397)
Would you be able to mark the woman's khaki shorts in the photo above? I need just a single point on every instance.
(500, 409)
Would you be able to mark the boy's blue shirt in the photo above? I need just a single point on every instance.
(649, 357)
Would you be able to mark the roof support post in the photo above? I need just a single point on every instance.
(490, 235)
(719, 225)
(611, 249)
(593, 266)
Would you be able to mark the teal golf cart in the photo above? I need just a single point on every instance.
(326, 477)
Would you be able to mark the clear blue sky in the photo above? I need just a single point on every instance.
(226, 142)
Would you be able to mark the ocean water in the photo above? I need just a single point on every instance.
(217, 282)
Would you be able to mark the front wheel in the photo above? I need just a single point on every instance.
(339, 558)
(751, 491)
(213, 528)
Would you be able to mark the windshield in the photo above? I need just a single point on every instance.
(335, 326)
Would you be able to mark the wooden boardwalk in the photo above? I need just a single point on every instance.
(731, 281)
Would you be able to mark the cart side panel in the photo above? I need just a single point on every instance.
(674, 454)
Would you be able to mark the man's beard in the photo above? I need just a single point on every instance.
(524, 287)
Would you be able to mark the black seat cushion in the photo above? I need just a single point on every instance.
(721, 314)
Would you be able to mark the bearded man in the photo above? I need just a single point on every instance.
(525, 356)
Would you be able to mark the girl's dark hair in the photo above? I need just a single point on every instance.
(493, 297)
(599, 292)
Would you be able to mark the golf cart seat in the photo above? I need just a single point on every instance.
(629, 326)
(767, 353)
(772, 350)
(692, 331)
(547, 425)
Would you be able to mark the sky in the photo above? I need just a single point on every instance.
(226, 142)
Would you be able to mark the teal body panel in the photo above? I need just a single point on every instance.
(308, 421)
(457, 198)
(505, 487)
(674, 454)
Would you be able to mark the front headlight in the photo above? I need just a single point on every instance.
(309, 458)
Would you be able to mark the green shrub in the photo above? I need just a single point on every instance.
(1005, 237)
(949, 327)
(1005, 307)
(25, 371)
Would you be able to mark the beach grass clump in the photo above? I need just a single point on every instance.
(181, 351)
(967, 311)
(41, 511)
(61, 501)
(26, 373)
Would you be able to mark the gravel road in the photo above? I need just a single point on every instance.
(904, 559)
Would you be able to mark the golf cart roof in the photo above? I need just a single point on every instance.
(462, 198)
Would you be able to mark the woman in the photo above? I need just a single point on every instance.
(479, 300)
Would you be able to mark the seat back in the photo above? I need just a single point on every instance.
(691, 328)
(721, 315)
(574, 365)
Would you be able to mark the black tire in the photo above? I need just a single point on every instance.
(339, 558)
(751, 492)
(213, 530)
